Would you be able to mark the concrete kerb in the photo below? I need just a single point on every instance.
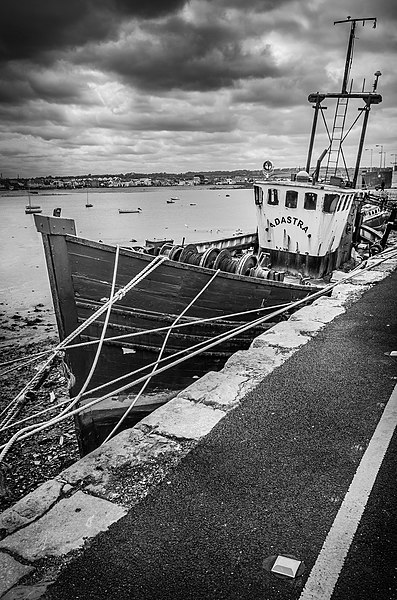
(66, 512)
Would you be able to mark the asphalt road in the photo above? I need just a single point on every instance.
(269, 479)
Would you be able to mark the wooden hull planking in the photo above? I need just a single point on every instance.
(81, 272)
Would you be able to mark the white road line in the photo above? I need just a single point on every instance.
(325, 573)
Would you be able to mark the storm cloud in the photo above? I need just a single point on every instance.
(195, 84)
(30, 28)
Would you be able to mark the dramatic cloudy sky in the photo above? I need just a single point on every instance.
(96, 86)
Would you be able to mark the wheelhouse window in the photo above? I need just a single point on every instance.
(291, 199)
(349, 201)
(258, 195)
(330, 203)
(310, 201)
(272, 196)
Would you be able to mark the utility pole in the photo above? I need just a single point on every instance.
(370, 150)
(381, 153)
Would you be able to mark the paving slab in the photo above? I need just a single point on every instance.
(11, 571)
(129, 447)
(182, 418)
(30, 507)
(322, 312)
(65, 527)
(26, 592)
(284, 336)
(216, 389)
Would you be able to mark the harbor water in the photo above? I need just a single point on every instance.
(198, 214)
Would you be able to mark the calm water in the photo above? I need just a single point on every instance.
(199, 214)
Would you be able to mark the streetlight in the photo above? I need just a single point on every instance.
(381, 153)
(371, 150)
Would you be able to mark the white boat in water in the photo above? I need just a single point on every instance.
(124, 211)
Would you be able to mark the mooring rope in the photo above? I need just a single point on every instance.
(92, 369)
(114, 338)
(5, 424)
(362, 267)
(102, 336)
(116, 296)
(145, 384)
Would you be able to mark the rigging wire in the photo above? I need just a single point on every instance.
(117, 296)
(114, 338)
(30, 431)
(115, 428)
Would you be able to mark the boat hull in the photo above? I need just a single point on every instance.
(378, 221)
(80, 275)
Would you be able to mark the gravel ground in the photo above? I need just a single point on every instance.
(42, 456)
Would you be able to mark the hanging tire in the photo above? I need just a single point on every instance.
(375, 249)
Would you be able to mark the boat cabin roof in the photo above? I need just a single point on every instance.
(308, 185)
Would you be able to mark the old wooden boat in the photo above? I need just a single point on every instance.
(142, 306)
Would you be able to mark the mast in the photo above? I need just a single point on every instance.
(349, 53)
(337, 137)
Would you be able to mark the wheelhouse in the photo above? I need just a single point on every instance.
(304, 220)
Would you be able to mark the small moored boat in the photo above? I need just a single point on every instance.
(88, 204)
(124, 211)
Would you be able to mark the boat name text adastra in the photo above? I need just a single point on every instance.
(294, 220)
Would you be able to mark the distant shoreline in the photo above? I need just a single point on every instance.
(134, 189)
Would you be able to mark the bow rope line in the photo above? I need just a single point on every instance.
(6, 422)
(27, 431)
(138, 333)
(312, 296)
(144, 385)
(160, 329)
(117, 296)
(193, 321)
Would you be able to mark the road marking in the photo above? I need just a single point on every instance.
(325, 573)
